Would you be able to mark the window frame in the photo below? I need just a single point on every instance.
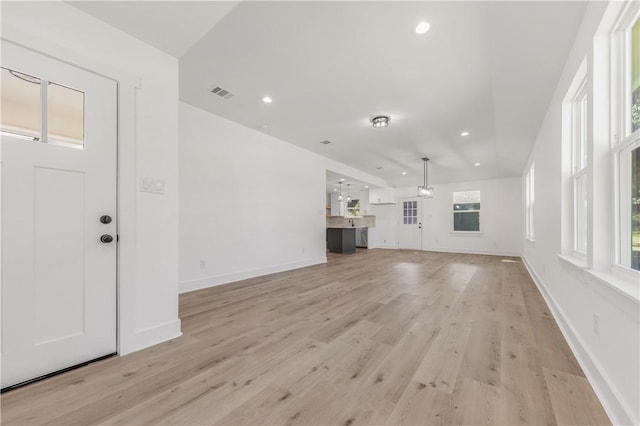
(454, 211)
(580, 168)
(623, 140)
(530, 203)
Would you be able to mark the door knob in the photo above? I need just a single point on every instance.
(106, 219)
(106, 238)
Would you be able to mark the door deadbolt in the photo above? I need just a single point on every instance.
(106, 219)
(106, 238)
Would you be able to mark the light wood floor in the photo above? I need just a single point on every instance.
(378, 337)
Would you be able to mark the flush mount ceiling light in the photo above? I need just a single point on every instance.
(267, 100)
(465, 133)
(380, 121)
(425, 191)
(476, 164)
(422, 28)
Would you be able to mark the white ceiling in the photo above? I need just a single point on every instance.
(486, 67)
(349, 185)
(171, 26)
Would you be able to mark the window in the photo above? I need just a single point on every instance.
(635, 209)
(635, 77)
(410, 212)
(530, 202)
(20, 105)
(466, 211)
(353, 208)
(579, 167)
(626, 151)
(24, 116)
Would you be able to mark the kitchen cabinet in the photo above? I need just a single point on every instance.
(382, 195)
(341, 240)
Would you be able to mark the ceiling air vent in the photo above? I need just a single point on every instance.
(223, 93)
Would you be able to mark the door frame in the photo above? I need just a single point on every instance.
(126, 141)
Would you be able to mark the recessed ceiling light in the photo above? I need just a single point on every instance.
(379, 167)
(422, 28)
(380, 121)
(335, 189)
(465, 133)
(325, 142)
(404, 173)
(476, 164)
(267, 100)
(342, 180)
(366, 186)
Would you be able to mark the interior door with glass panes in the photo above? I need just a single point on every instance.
(410, 226)
(58, 154)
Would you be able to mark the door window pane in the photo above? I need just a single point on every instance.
(65, 115)
(20, 105)
(409, 212)
(635, 209)
(635, 76)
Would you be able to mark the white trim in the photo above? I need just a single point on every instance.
(157, 334)
(466, 233)
(215, 280)
(614, 405)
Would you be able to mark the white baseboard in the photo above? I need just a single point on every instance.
(474, 251)
(613, 404)
(187, 286)
(157, 334)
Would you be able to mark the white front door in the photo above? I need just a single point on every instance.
(58, 157)
(410, 224)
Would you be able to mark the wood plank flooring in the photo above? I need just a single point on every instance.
(378, 337)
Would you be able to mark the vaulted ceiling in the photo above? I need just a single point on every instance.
(488, 68)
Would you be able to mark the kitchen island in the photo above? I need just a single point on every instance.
(341, 232)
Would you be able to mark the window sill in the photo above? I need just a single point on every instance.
(467, 233)
(575, 261)
(626, 286)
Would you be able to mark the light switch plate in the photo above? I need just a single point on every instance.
(151, 185)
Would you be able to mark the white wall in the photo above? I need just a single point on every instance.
(609, 357)
(500, 219)
(148, 146)
(250, 204)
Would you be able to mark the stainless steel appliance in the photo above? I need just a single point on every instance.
(362, 237)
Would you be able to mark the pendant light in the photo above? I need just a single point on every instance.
(340, 197)
(348, 192)
(425, 191)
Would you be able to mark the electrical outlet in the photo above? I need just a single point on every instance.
(596, 322)
(203, 264)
